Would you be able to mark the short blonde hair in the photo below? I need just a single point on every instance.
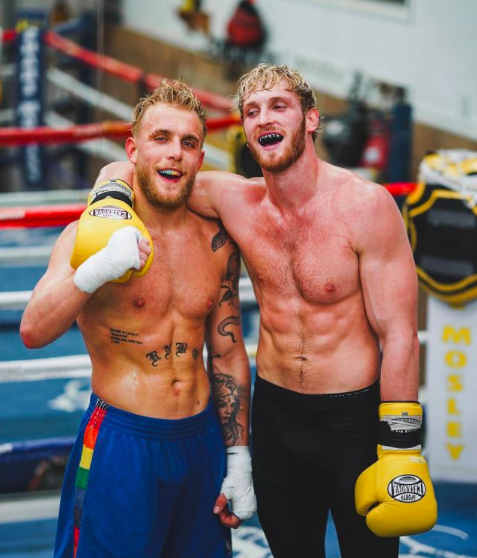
(267, 76)
(174, 93)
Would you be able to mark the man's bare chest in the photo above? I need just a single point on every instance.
(313, 260)
(183, 282)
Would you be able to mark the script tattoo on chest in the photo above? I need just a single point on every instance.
(180, 349)
(220, 238)
(120, 336)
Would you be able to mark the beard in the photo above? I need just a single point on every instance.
(291, 155)
(157, 199)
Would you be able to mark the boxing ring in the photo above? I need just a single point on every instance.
(44, 392)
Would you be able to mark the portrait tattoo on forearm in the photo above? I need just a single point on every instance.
(230, 321)
(227, 404)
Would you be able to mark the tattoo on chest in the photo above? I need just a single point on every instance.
(153, 357)
(220, 238)
(120, 336)
(232, 276)
(180, 349)
(230, 321)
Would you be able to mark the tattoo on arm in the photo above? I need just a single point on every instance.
(220, 238)
(230, 321)
(232, 276)
(226, 396)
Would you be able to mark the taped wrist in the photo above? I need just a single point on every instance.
(114, 188)
(239, 460)
(400, 424)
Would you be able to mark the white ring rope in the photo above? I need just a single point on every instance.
(47, 197)
(74, 366)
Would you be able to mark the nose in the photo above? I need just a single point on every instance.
(265, 117)
(175, 150)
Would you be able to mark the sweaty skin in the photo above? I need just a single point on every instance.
(328, 257)
(145, 337)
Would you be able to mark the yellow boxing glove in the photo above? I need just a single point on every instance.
(109, 210)
(395, 494)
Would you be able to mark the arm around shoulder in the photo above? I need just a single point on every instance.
(215, 192)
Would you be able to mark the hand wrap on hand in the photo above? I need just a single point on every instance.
(237, 485)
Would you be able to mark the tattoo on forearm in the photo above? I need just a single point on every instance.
(120, 336)
(226, 396)
(230, 321)
(232, 277)
(220, 238)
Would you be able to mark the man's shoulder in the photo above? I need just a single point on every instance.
(361, 191)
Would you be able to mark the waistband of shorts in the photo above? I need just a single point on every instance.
(348, 400)
(148, 427)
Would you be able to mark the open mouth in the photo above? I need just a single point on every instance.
(170, 174)
(270, 139)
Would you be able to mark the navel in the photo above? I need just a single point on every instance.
(176, 387)
(139, 303)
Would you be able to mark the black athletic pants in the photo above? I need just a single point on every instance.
(308, 451)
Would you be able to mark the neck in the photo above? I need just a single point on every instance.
(294, 187)
(156, 218)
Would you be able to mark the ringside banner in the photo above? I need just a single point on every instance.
(451, 381)
(30, 26)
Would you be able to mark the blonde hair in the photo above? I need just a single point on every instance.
(267, 76)
(174, 93)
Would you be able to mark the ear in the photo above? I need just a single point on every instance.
(312, 120)
(201, 160)
(131, 150)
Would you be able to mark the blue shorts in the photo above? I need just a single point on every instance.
(139, 487)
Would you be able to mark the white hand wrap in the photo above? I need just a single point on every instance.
(120, 254)
(237, 485)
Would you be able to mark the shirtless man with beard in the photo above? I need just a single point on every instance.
(335, 420)
(146, 474)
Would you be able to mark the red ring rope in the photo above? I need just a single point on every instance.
(127, 72)
(43, 135)
(41, 216)
(62, 215)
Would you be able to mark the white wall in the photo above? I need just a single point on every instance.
(430, 47)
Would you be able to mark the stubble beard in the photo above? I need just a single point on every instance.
(155, 198)
(291, 155)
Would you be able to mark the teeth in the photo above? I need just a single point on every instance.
(170, 172)
(270, 138)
